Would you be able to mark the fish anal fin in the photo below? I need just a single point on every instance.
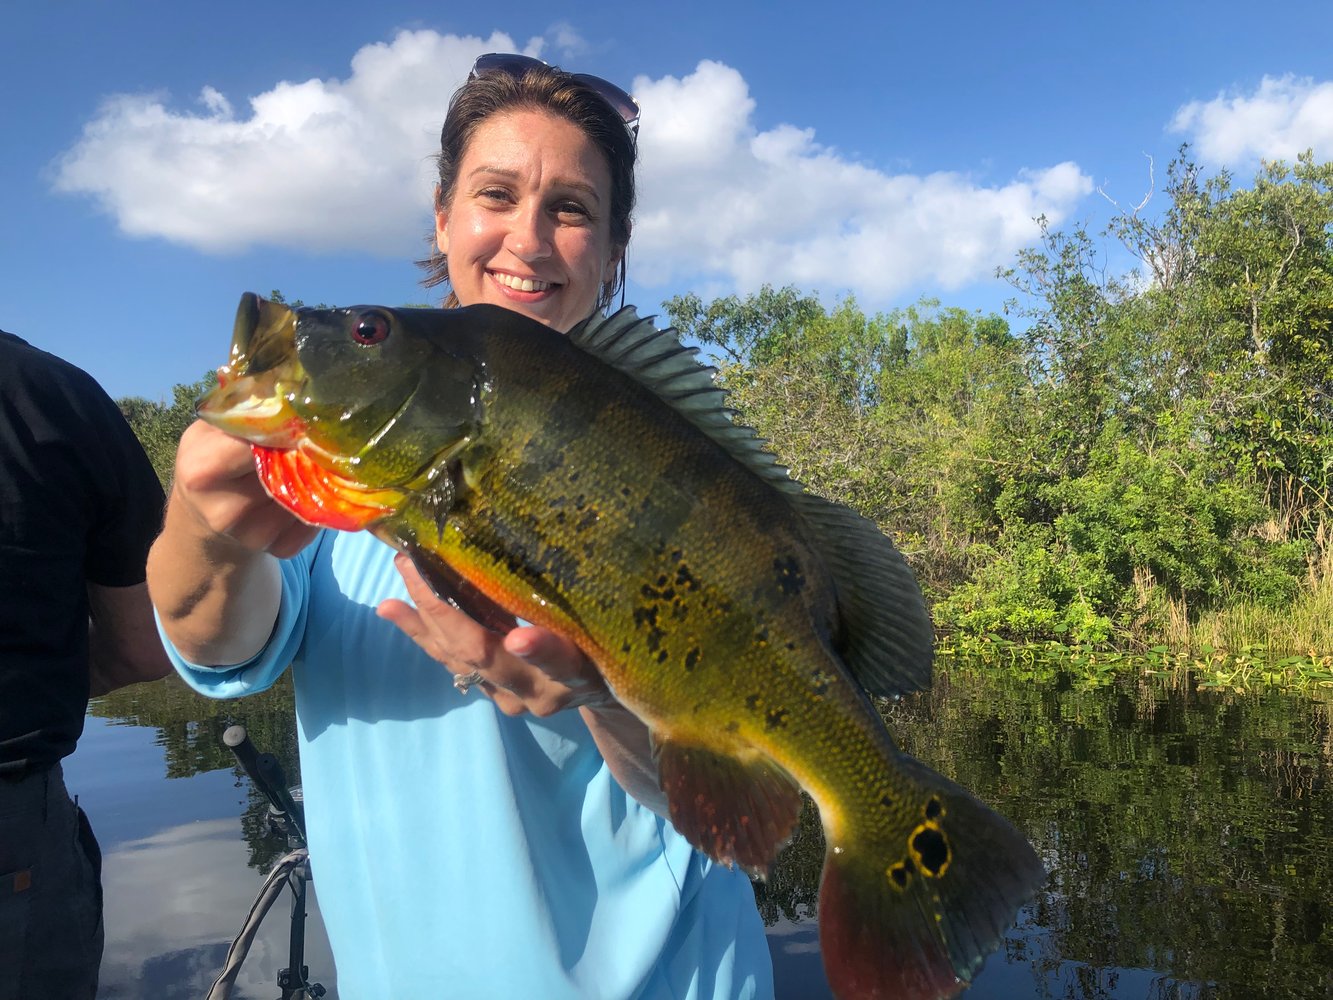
(737, 811)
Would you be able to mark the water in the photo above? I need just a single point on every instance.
(1188, 835)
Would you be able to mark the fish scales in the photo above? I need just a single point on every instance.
(647, 565)
(593, 485)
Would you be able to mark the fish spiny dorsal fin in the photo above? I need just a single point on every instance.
(885, 635)
(656, 359)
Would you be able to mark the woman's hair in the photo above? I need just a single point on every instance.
(539, 88)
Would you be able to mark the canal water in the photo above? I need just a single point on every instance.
(1188, 834)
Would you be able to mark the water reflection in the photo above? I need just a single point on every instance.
(184, 844)
(175, 900)
(1189, 835)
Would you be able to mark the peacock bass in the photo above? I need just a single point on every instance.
(596, 484)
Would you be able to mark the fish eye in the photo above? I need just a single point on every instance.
(371, 328)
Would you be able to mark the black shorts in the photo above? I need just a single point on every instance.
(50, 892)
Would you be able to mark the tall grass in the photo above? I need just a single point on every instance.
(1303, 628)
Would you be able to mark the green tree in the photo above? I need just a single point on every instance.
(159, 425)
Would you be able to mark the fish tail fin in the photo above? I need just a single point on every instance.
(912, 914)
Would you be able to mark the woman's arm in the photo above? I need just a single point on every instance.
(213, 572)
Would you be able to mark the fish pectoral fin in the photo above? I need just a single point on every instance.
(450, 585)
(737, 811)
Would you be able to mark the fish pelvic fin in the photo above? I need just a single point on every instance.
(447, 583)
(735, 810)
(912, 915)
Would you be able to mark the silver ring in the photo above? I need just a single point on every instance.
(465, 682)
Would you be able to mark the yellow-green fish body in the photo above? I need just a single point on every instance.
(595, 484)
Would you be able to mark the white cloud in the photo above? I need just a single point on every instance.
(775, 206)
(345, 165)
(318, 165)
(1282, 118)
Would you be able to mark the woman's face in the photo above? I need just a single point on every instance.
(528, 225)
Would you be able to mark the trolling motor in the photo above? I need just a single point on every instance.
(286, 815)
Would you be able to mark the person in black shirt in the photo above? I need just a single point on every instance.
(79, 507)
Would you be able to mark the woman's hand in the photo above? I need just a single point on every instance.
(216, 484)
(530, 669)
(213, 572)
(533, 670)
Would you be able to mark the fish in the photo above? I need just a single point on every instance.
(596, 483)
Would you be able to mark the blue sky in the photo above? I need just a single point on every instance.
(161, 158)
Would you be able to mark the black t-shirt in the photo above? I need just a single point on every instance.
(79, 504)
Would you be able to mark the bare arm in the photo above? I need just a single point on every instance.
(123, 644)
(624, 742)
(213, 572)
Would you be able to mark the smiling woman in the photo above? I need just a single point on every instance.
(527, 222)
(535, 191)
(525, 815)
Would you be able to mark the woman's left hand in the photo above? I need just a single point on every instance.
(531, 669)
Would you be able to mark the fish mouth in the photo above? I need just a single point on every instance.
(255, 388)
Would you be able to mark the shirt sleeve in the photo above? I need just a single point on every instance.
(125, 496)
(260, 671)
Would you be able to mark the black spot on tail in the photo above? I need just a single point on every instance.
(930, 848)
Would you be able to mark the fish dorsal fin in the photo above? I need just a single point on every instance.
(656, 359)
(885, 635)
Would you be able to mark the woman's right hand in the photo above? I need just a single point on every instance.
(213, 573)
(216, 484)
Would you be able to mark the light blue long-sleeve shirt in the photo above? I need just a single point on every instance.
(462, 853)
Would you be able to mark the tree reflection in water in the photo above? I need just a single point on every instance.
(1188, 834)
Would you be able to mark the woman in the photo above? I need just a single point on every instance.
(463, 846)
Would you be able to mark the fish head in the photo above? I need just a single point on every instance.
(366, 391)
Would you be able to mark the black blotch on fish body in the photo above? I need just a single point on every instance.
(776, 718)
(791, 580)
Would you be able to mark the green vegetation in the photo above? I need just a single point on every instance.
(1135, 464)
(1134, 467)
(159, 425)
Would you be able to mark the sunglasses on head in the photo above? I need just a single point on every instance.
(516, 65)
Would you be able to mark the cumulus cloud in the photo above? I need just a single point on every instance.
(721, 197)
(344, 164)
(317, 165)
(1282, 118)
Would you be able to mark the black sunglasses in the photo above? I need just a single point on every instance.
(516, 65)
